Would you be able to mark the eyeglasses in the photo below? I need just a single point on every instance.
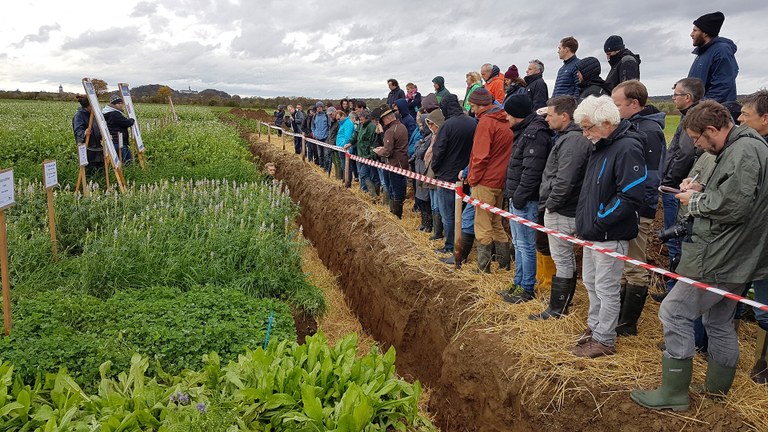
(587, 129)
(698, 138)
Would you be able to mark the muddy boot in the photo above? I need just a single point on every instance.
(423, 225)
(631, 308)
(719, 379)
(483, 258)
(558, 300)
(397, 208)
(371, 188)
(759, 373)
(503, 256)
(386, 201)
(467, 241)
(673, 393)
(428, 220)
(437, 224)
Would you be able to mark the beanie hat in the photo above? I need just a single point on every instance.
(519, 105)
(436, 117)
(319, 104)
(439, 81)
(481, 97)
(116, 99)
(613, 43)
(589, 68)
(512, 73)
(710, 23)
(330, 110)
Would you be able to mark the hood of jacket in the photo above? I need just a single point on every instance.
(402, 106)
(590, 70)
(495, 71)
(450, 106)
(723, 42)
(496, 113)
(652, 113)
(109, 108)
(531, 78)
(616, 59)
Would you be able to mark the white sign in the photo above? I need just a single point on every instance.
(125, 93)
(82, 152)
(96, 110)
(50, 176)
(6, 189)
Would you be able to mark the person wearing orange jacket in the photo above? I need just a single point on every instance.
(491, 148)
(494, 82)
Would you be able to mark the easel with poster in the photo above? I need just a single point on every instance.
(111, 157)
(125, 93)
(6, 200)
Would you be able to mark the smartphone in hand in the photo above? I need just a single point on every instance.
(669, 190)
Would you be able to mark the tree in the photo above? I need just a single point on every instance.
(100, 86)
(164, 92)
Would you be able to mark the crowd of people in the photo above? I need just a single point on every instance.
(589, 160)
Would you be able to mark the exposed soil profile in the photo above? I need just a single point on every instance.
(402, 298)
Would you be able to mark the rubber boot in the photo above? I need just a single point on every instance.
(386, 200)
(423, 225)
(558, 300)
(483, 258)
(545, 270)
(397, 208)
(572, 291)
(631, 308)
(719, 379)
(673, 393)
(503, 255)
(428, 225)
(371, 188)
(759, 372)
(437, 223)
(467, 241)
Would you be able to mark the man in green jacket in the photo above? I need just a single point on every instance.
(726, 250)
(364, 138)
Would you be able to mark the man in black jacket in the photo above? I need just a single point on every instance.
(535, 84)
(80, 123)
(532, 142)
(630, 98)
(558, 195)
(625, 65)
(395, 92)
(607, 215)
(118, 125)
(450, 154)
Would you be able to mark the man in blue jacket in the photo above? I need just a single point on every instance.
(715, 64)
(320, 126)
(567, 83)
(606, 215)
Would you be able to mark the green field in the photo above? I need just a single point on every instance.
(671, 126)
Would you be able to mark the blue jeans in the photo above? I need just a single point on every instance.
(383, 174)
(434, 198)
(446, 199)
(127, 155)
(761, 295)
(367, 172)
(468, 220)
(671, 206)
(524, 239)
(297, 144)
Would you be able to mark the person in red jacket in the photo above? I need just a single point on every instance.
(494, 81)
(491, 148)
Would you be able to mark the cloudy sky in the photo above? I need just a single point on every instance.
(335, 48)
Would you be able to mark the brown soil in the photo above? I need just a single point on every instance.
(430, 315)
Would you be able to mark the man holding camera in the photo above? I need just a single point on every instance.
(729, 210)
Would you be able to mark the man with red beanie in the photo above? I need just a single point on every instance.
(491, 148)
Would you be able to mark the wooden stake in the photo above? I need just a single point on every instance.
(347, 171)
(5, 277)
(269, 135)
(457, 229)
(52, 225)
(283, 141)
(303, 147)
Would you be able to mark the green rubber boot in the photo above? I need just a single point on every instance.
(719, 379)
(673, 393)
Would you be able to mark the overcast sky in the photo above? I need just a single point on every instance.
(334, 48)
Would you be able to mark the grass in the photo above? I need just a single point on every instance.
(671, 126)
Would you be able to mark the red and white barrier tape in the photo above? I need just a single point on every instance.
(505, 214)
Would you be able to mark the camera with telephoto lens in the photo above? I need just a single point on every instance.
(680, 230)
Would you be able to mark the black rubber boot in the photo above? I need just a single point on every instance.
(397, 208)
(423, 225)
(558, 300)
(483, 258)
(759, 372)
(437, 223)
(467, 241)
(634, 301)
(503, 255)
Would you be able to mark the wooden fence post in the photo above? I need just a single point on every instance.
(457, 228)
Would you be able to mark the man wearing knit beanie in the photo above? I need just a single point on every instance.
(491, 147)
(715, 64)
(533, 140)
(625, 65)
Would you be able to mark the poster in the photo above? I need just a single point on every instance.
(125, 93)
(50, 176)
(94, 101)
(82, 153)
(6, 189)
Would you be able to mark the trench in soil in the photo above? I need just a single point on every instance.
(453, 333)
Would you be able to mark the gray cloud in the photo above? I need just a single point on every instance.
(144, 9)
(113, 38)
(43, 35)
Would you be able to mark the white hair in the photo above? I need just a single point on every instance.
(597, 110)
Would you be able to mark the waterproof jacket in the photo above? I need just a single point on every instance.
(591, 83)
(729, 235)
(279, 117)
(394, 95)
(405, 116)
(117, 124)
(564, 172)
(715, 65)
(650, 122)
(297, 119)
(395, 145)
(346, 129)
(495, 85)
(453, 143)
(491, 148)
(320, 126)
(470, 90)
(533, 140)
(93, 145)
(680, 156)
(364, 138)
(567, 83)
(625, 66)
(306, 125)
(537, 90)
(613, 187)
(333, 132)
